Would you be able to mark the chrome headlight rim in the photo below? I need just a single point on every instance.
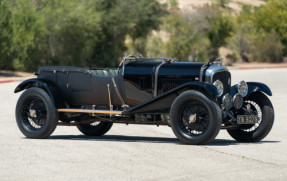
(242, 85)
(224, 98)
(219, 86)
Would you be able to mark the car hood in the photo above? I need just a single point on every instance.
(168, 69)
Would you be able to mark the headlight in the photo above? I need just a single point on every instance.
(227, 101)
(237, 101)
(242, 88)
(218, 84)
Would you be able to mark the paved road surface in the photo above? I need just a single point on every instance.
(137, 152)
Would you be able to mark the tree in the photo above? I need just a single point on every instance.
(198, 35)
(90, 33)
(186, 41)
(219, 27)
(73, 29)
(5, 36)
(135, 19)
(272, 16)
(254, 43)
(28, 34)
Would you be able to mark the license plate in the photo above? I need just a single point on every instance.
(247, 119)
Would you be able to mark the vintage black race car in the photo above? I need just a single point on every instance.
(195, 99)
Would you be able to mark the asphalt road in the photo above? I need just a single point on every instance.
(137, 152)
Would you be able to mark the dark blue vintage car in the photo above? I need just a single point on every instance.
(195, 99)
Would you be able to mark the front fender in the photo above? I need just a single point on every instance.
(208, 88)
(164, 100)
(254, 87)
(30, 82)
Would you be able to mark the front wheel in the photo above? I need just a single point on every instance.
(195, 119)
(35, 115)
(262, 107)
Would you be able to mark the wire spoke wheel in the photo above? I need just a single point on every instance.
(34, 114)
(261, 106)
(255, 110)
(194, 118)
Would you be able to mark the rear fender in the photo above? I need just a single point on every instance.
(36, 83)
(254, 87)
(163, 102)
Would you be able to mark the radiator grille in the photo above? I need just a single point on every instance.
(225, 78)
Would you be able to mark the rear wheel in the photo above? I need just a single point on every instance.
(262, 107)
(35, 115)
(95, 129)
(195, 119)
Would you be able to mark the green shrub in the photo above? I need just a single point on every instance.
(6, 36)
(198, 35)
(267, 48)
(73, 32)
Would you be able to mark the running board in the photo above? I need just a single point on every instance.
(91, 111)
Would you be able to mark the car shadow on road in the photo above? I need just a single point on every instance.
(225, 142)
(145, 139)
(117, 138)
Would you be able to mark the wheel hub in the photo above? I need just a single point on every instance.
(32, 113)
(192, 118)
(35, 113)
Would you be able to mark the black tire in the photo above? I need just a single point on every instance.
(95, 129)
(35, 114)
(207, 123)
(255, 133)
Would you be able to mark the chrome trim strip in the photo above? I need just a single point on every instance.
(214, 68)
(202, 70)
(123, 69)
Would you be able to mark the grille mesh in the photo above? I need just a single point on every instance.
(166, 84)
(170, 83)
